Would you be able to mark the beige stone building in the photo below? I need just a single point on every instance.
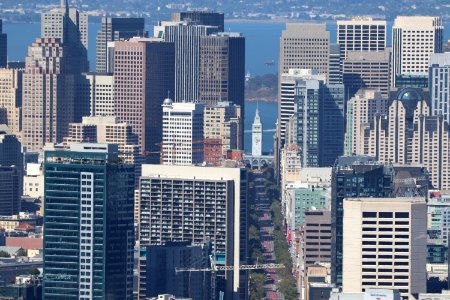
(48, 94)
(414, 39)
(361, 110)
(409, 135)
(11, 99)
(385, 245)
(222, 130)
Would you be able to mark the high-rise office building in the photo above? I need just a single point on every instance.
(143, 76)
(222, 130)
(201, 18)
(197, 204)
(222, 68)
(182, 133)
(70, 26)
(88, 226)
(10, 148)
(439, 82)
(335, 65)
(361, 34)
(361, 110)
(11, 99)
(11, 156)
(101, 93)
(67, 24)
(352, 176)
(319, 112)
(367, 69)
(3, 47)
(290, 81)
(304, 46)
(9, 190)
(317, 237)
(385, 245)
(48, 94)
(414, 39)
(186, 36)
(116, 29)
(162, 262)
(409, 135)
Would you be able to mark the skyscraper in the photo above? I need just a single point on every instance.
(9, 190)
(385, 245)
(414, 39)
(67, 24)
(222, 68)
(3, 47)
(211, 203)
(48, 94)
(201, 18)
(367, 69)
(11, 99)
(361, 34)
(409, 135)
(186, 36)
(143, 76)
(88, 226)
(335, 65)
(115, 29)
(11, 158)
(304, 46)
(182, 133)
(361, 110)
(290, 81)
(353, 176)
(101, 93)
(439, 81)
(318, 112)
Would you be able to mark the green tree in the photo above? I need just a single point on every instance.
(4, 254)
(35, 271)
(21, 252)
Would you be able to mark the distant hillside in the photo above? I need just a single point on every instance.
(262, 88)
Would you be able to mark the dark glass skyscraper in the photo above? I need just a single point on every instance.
(3, 47)
(115, 29)
(88, 235)
(353, 176)
(201, 18)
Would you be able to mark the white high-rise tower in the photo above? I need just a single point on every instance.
(257, 135)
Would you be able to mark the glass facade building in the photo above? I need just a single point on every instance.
(88, 224)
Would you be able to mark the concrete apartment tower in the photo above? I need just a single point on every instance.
(211, 203)
(385, 245)
(414, 39)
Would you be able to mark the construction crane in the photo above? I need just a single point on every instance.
(216, 268)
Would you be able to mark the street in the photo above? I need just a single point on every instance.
(266, 229)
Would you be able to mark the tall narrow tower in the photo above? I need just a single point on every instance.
(257, 135)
